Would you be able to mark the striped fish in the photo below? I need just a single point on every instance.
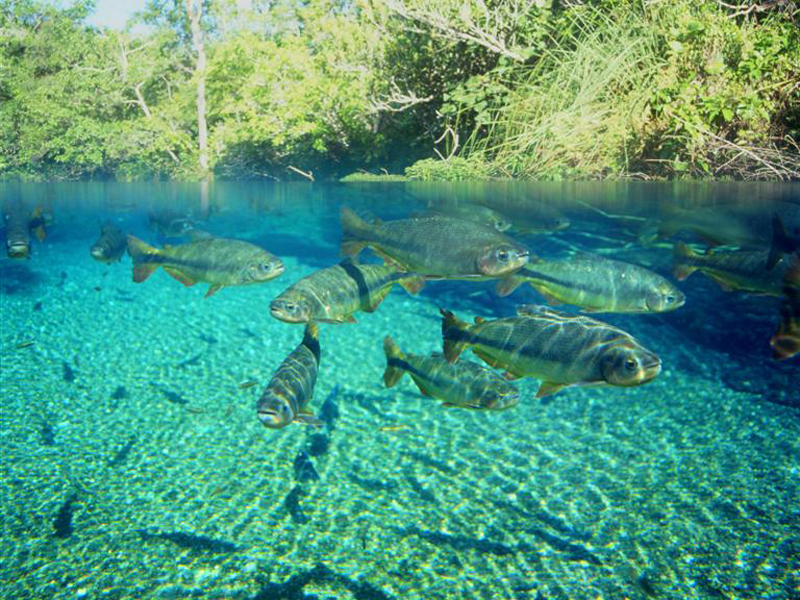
(217, 261)
(743, 270)
(598, 284)
(559, 349)
(291, 388)
(466, 384)
(111, 244)
(333, 294)
(436, 247)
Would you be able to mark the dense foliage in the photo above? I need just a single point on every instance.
(447, 89)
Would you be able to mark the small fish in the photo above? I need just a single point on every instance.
(304, 468)
(333, 294)
(26, 344)
(436, 247)
(559, 349)
(598, 284)
(37, 306)
(171, 396)
(217, 261)
(121, 454)
(292, 386)
(742, 270)
(469, 211)
(786, 341)
(48, 434)
(119, 393)
(111, 244)
(248, 384)
(466, 384)
(329, 410)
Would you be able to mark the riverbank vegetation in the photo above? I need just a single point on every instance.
(432, 89)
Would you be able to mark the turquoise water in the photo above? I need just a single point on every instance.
(134, 466)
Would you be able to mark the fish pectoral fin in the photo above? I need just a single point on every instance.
(180, 276)
(307, 418)
(511, 376)
(422, 390)
(507, 285)
(548, 388)
(143, 271)
(213, 289)
(489, 360)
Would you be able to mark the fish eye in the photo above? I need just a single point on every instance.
(502, 255)
(669, 299)
(630, 364)
(266, 267)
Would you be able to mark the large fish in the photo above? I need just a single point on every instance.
(169, 223)
(436, 247)
(333, 294)
(466, 384)
(217, 261)
(291, 388)
(19, 223)
(743, 270)
(786, 341)
(111, 244)
(598, 284)
(559, 349)
(783, 241)
(469, 211)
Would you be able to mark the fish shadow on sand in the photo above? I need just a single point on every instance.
(18, 278)
(292, 589)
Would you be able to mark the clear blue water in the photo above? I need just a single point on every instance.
(134, 466)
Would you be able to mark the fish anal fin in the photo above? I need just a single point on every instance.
(412, 284)
(681, 272)
(376, 298)
(548, 388)
(143, 271)
(488, 359)
(181, 276)
(213, 289)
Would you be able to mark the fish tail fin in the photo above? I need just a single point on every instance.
(392, 374)
(780, 242)
(311, 339)
(141, 252)
(784, 346)
(680, 254)
(354, 230)
(453, 334)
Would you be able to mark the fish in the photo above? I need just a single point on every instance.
(733, 225)
(111, 245)
(18, 239)
(559, 349)
(783, 242)
(219, 262)
(598, 284)
(742, 270)
(248, 384)
(169, 223)
(26, 344)
(190, 540)
(436, 247)
(333, 294)
(291, 388)
(466, 384)
(470, 211)
(786, 341)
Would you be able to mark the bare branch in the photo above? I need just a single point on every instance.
(308, 175)
(397, 100)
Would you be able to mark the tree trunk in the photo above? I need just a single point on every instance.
(194, 10)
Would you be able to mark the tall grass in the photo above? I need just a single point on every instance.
(578, 111)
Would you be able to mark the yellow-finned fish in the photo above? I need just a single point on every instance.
(218, 261)
(111, 244)
(291, 388)
(597, 284)
(333, 294)
(559, 349)
(435, 247)
(465, 384)
(786, 341)
(743, 270)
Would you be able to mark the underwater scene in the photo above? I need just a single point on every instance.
(405, 390)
